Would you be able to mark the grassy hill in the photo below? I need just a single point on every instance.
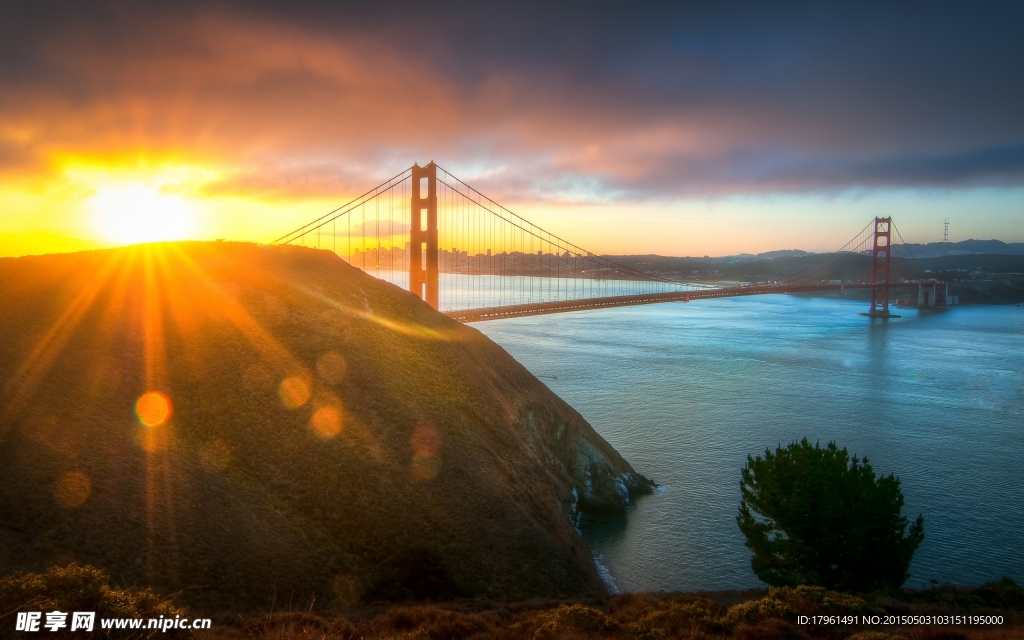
(253, 424)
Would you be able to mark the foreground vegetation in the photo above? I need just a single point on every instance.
(753, 615)
(750, 615)
(811, 515)
(78, 588)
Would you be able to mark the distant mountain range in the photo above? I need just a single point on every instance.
(770, 255)
(930, 250)
(966, 247)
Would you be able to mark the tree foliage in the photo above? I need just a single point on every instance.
(811, 515)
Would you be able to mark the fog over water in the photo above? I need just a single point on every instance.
(686, 391)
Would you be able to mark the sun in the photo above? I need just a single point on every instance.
(137, 213)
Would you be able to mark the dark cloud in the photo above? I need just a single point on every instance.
(997, 164)
(538, 100)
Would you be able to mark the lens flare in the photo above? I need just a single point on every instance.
(425, 441)
(72, 489)
(426, 444)
(326, 422)
(294, 392)
(153, 409)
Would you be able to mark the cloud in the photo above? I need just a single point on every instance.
(993, 164)
(537, 102)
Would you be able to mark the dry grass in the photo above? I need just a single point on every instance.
(76, 588)
(752, 615)
(770, 616)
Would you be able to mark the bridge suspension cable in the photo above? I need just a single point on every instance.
(851, 263)
(331, 216)
(488, 256)
(428, 231)
(500, 211)
(912, 266)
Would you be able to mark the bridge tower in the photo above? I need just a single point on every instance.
(881, 261)
(423, 258)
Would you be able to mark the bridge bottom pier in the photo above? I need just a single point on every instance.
(878, 313)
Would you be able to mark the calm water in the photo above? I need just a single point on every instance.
(686, 391)
(461, 291)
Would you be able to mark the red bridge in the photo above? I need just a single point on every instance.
(475, 260)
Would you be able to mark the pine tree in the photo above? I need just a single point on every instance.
(813, 516)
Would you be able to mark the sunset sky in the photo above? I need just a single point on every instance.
(676, 128)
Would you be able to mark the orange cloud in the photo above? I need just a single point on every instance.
(283, 113)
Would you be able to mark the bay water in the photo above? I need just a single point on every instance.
(687, 391)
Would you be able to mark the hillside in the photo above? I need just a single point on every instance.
(966, 247)
(256, 424)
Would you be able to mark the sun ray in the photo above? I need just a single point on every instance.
(414, 330)
(218, 302)
(160, 507)
(37, 364)
(270, 349)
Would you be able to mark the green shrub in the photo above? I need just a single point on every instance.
(813, 516)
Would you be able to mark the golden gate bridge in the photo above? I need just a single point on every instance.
(473, 259)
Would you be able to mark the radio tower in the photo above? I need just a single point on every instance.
(945, 231)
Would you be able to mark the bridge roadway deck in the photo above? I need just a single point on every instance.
(563, 306)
